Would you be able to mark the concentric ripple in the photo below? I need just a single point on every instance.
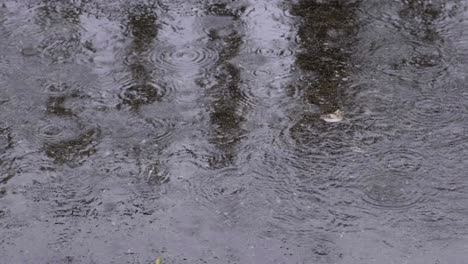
(222, 188)
(311, 146)
(185, 58)
(136, 94)
(432, 112)
(375, 101)
(389, 177)
(54, 130)
(139, 85)
(389, 191)
(141, 131)
(276, 91)
(301, 189)
(75, 152)
(160, 129)
(409, 62)
(399, 160)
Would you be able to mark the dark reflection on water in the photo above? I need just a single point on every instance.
(139, 88)
(198, 131)
(226, 116)
(326, 34)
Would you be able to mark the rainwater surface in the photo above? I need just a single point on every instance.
(196, 131)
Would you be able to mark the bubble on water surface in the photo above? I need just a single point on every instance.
(274, 53)
(261, 72)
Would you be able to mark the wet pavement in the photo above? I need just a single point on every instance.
(196, 131)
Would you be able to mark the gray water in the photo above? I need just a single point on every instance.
(191, 131)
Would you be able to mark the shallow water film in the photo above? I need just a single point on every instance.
(251, 131)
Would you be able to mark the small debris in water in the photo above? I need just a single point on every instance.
(334, 117)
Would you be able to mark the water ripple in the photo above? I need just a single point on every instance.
(270, 167)
(137, 94)
(410, 62)
(386, 190)
(398, 160)
(71, 197)
(261, 72)
(56, 129)
(306, 170)
(314, 145)
(75, 152)
(142, 131)
(429, 112)
(206, 109)
(223, 190)
(64, 80)
(28, 167)
(185, 58)
(154, 174)
(277, 91)
(300, 198)
(57, 88)
(61, 47)
(406, 43)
